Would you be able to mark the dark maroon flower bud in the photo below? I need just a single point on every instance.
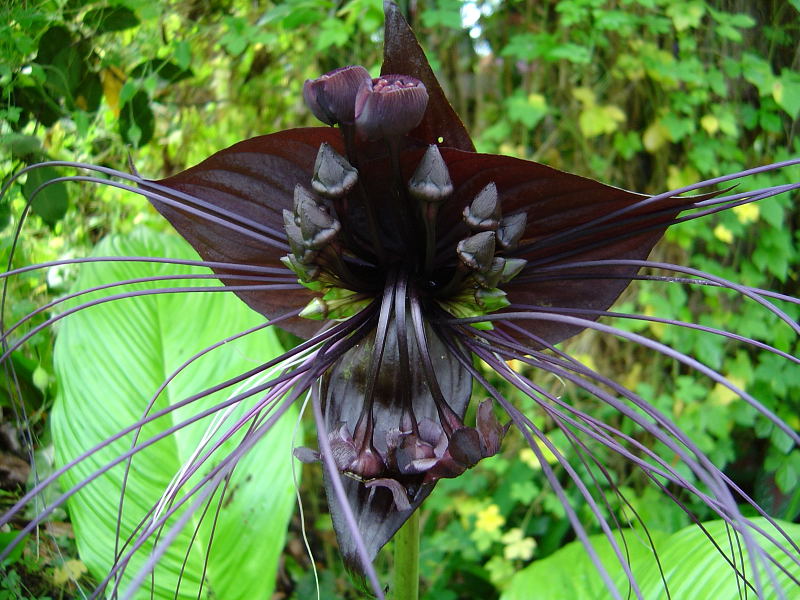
(465, 446)
(484, 212)
(511, 229)
(391, 107)
(432, 432)
(477, 251)
(332, 97)
(342, 447)
(297, 244)
(317, 225)
(489, 429)
(445, 467)
(414, 455)
(431, 180)
(367, 464)
(333, 175)
(399, 494)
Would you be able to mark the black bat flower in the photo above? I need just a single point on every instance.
(416, 257)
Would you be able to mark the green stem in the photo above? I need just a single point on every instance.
(406, 560)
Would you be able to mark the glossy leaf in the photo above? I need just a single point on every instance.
(51, 202)
(136, 120)
(693, 567)
(109, 360)
(111, 18)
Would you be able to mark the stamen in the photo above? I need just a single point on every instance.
(510, 230)
(477, 251)
(333, 176)
(484, 212)
(430, 185)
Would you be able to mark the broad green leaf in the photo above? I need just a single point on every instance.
(111, 18)
(110, 359)
(165, 69)
(694, 569)
(786, 92)
(51, 202)
(136, 115)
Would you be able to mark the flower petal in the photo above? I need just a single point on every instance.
(344, 386)
(558, 206)
(245, 189)
(403, 54)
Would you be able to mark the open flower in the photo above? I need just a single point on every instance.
(414, 256)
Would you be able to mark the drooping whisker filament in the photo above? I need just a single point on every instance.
(677, 323)
(184, 277)
(724, 510)
(146, 259)
(740, 289)
(229, 220)
(278, 400)
(652, 345)
(145, 188)
(594, 428)
(672, 194)
(136, 427)
(149, 292)
(533, 278)
(203, 490)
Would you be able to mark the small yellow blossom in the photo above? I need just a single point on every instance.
(723, 234)
(710, 123)
(747, 213)
(517, 545)
(490, 519)
(528, 456)
(722, 395)
(71, 570)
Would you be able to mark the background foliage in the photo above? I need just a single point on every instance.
(644, 94)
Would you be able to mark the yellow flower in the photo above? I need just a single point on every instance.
(527, 456)
(746, 213)
(490, 519)
(517, 545)
(723, 234)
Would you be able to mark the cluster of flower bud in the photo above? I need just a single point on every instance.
(388, 106)
(492, 233)
(310, 228)
(427, 450)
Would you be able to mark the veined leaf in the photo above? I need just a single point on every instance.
(110, 359)
(694, 569)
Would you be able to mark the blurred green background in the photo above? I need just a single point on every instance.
(643, 94)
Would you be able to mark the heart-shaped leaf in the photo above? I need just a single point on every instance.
(110, 359)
